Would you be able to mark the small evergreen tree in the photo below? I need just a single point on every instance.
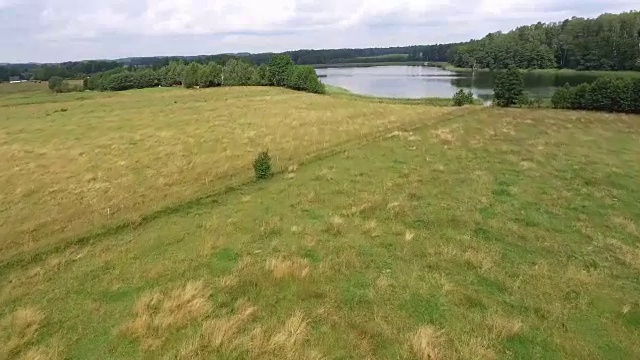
(462, 98)
(262, 166)
(509, 87)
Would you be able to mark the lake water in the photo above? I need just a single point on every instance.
(423, 81)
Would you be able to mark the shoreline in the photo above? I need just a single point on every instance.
(622, 73)
(372, 64)
(337, 91)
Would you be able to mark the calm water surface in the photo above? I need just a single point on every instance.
(423, 81)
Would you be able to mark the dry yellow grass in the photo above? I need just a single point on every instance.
(18, 329)
(287, 342)
(336, 225)
(158, 312)
(427, 343)
(235, 334)
(502, 327)
(113, 157)
(220, 334)
(283, 268)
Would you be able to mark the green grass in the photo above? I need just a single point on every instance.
(340, 92)
(481, 233)
(79, 163)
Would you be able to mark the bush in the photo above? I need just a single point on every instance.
(120, 82)
(304, 78)
(240, 73)
(462, 98)
(146, 78)
(56, 83)
(263, 75)
(509, 86)
(210, 75)
(524, 101)
(191, 75)
(561, 98)
(262, 166)
(604, 94)
(279, 69)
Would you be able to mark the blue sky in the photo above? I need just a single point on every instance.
(62, 30)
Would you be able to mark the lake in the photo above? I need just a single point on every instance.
(424, 81)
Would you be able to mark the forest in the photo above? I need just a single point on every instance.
(608, 42)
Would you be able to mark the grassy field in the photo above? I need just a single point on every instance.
(415, 232)
(84, 160)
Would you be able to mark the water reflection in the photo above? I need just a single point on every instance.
(422, 81)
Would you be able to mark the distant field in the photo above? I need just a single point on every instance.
(391, 231)
(26, 87)
(75, 162)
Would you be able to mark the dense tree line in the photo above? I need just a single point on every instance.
(281, 71)
(608, 42)
(67, 70)
(605, 94)
(439, 52)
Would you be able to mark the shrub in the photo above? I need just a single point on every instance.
(262, 166)
(604, 94)
(191, 75)
(55, 83)
(524, 100)
(263, 75)
(210, 75)
(462, 98)
(119, 82)
(146, 78)
(509, 86)
(561, 98)
(240, 73)
(304, 78)
(279, 69)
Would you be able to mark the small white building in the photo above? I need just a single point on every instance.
(14, 79)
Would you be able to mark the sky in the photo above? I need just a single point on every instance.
(64, 30)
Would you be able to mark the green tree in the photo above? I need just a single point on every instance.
(56, 83)
(210, 75)
(172, 74)
(263, 75)
(304, 78)
(279, 68)
(509, 87)
(191, 75)
(561, 98)
(240, 73)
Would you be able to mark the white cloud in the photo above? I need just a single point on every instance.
(70, 29)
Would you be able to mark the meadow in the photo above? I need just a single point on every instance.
(131, 228)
